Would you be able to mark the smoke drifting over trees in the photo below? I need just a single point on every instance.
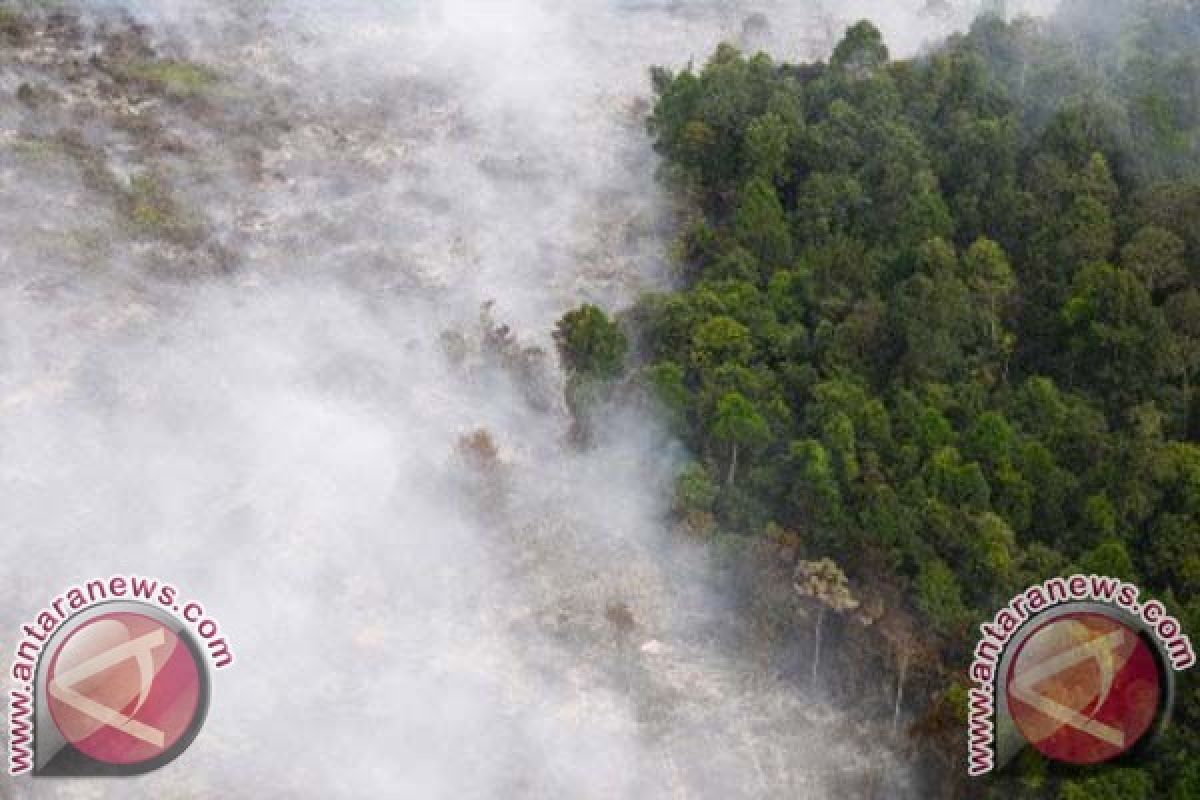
(949, 300)
(278, 288)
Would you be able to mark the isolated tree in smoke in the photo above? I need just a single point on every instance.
(592, 348)
(861, 50)
(824, 582)
(590, 343)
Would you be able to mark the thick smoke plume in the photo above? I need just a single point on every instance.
(276, 329)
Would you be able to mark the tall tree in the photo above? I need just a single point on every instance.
(739, 425)
(824, 582)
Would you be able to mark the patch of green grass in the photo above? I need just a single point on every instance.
(179, 78)
(153, 212)
(151, 208)
(37, 149)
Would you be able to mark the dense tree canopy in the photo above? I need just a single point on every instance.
(941, 317)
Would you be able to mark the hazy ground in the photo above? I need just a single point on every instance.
(241, 345)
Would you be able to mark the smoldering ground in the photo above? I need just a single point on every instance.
(278, 281)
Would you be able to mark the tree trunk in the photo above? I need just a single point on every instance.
(817, 643)
(1187, 402)
(901, 674)
(993, 339)
(732, 466)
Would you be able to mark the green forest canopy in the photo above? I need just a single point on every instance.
(940, 317)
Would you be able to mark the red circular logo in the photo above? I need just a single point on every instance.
(1084, 688)
(123, 688)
